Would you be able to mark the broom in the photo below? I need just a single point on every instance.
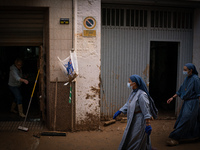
(23, 128)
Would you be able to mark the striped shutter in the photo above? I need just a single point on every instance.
(21, 26)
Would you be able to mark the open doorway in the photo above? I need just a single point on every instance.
(30, 58)
(163, 75)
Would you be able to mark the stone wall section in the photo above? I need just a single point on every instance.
(88, 53)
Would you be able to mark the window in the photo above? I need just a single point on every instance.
(175, 19)
(124, 17)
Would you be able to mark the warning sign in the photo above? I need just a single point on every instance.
(89, 24)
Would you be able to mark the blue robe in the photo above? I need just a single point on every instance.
(134, 137)
(186, 126)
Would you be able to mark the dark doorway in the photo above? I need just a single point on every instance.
(163, 75)
(30, 57)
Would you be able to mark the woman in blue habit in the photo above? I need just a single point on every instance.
(140, 108)
(186, 126)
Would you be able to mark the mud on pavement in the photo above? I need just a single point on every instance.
(106, 138)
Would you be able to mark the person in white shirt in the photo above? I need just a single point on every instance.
(14, 83)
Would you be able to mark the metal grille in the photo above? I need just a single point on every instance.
(171, 19)
(181, 19)
(124, 17)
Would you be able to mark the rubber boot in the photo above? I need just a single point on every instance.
(20, 108)
(13, 108)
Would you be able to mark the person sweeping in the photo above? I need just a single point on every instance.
(14, 83)
(140, 108)
(186, 126)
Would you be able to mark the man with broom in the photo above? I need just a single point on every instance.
(15, 81)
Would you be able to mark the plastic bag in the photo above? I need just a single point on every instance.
(69, 67)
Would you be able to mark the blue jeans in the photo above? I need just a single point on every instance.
(17, 94)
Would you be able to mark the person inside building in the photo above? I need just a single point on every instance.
(186, 126)
(140, 109)
(14, 83)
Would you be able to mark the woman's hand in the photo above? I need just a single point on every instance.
(24, 80)
(169, 100)
(116, 114)
(148, 129)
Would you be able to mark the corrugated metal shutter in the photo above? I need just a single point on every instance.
(21, 26)
(125, 48)
(123, 54)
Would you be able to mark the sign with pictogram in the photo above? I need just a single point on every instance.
(64, 20)
(89, 26)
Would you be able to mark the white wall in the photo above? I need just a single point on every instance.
(196, 41)
(88, 53)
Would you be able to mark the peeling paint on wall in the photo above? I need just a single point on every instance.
(146, 74)
(146, 71)
(88, 96)
(95, 90)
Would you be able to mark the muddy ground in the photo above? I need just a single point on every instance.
(107, 138)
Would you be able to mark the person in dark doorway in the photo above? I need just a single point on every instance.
(186, 126)
(140, 108)
(15, 81)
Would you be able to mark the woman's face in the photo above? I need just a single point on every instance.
(132, 84)
(18, 65)
(188, 71)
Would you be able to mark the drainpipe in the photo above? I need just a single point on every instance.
(72, 25)
(72, 102)
(74, 41)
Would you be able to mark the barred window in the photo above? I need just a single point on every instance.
(124, 17)
(112, 17)
(165, 19)
(133, 17)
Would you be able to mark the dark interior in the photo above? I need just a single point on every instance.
(29, 55)
(163, 74)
